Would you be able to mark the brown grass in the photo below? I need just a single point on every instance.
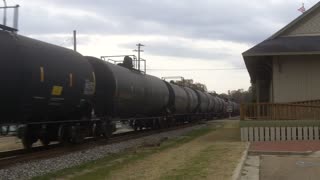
(213, 156)
(211, 153)
(9, 143)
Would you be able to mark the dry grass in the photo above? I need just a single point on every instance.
(212, 156)
(9, 143)
(12, 142)
(210, 153)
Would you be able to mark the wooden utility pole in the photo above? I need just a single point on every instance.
(139, 50)
(5, 13)
(16, 17)
(75, 40)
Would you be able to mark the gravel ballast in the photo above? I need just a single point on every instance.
(40, 167)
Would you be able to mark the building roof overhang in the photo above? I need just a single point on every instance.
(290, 45)
(258, 59)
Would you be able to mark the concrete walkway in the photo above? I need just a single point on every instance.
(282, 160)
(250, 170)
(289, 168)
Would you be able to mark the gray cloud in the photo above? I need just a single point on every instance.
(175, 48)
(247, 21)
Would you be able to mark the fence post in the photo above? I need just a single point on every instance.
(242, 112)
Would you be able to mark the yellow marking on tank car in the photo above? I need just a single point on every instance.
(70, 80)
(56, 90)
(41, 74)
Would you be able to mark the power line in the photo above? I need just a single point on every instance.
(214, 69)
(66, 42)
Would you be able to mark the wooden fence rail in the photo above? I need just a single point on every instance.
(269, 111)
(315, 102)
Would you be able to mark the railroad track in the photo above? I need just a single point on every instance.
(10, 158)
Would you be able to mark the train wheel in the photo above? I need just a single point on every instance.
(140, 127)
(136, 125)
(27, 136)
(63, 134)
(95, 130)
(45, 141)
(165, 122)
(154, 124)
(106, 129)
(161, 123)
(76, 136)
(27, 143)
(44, 135)
(170, 122)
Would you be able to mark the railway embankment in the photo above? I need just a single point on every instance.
(209, 152)
(53, 163)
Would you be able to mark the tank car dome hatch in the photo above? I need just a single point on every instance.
(127, 62)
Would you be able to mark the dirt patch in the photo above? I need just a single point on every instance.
(11, 143)
(154, 143)
(212, 156)
(8, 143)
(159, 164)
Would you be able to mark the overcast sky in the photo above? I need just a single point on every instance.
(197, 36)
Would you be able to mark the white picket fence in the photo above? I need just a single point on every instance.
(279, 133)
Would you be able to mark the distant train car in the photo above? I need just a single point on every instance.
(179, 100)
(193, 101)
(211, 102)
(125, 93)
(203, 102)
(220, 105)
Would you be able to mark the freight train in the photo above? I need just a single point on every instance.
(51, 93)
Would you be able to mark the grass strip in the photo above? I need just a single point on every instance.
(101, 168)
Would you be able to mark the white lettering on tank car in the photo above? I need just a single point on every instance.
(89, 87)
